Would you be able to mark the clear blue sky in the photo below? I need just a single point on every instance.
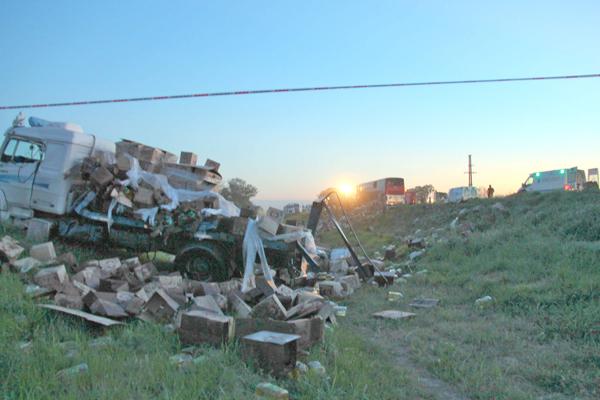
(293, 145)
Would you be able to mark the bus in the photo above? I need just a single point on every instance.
(389, 191)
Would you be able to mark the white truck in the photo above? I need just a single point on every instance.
(35, 162)
(567, 179)
(37, 179)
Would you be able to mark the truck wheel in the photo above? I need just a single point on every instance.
(205, 261)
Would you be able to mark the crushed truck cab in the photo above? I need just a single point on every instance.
(35, 165)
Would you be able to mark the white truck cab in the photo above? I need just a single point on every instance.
(35, 161)
(568, 179)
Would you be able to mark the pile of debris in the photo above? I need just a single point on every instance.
(111, 291)
(146, 183)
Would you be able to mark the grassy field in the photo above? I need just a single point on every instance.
(539, 260)
(538, 339)
(135, 361)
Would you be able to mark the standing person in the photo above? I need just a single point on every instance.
(490, 192)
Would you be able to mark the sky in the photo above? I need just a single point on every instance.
(291, 146)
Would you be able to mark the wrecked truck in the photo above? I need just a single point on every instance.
(138, 197)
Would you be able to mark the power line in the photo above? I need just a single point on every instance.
(303, 89)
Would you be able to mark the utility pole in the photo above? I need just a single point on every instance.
(470, 172)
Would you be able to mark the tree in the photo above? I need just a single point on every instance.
(240, 192)
(422, 192)
(325, 192)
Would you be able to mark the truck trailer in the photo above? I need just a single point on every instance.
(40, 176)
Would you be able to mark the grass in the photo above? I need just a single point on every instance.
(540, 262)
(135, 363)
(538, 339)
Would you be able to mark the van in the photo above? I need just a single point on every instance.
(568, 179)
(463, 193)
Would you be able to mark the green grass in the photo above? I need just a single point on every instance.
(541, 264)
(539, 339)
(136, 362)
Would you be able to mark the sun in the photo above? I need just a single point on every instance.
(346, 189)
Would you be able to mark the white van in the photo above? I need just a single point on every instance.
(34, 162)
(463, 193)
(569, 179)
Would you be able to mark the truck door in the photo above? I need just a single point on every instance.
(18, 166)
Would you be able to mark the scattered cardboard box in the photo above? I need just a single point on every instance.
(43, 251)
(269, 307)
(393, 314)
(160, 307)
(38, 230)
(199, 327)
(275, 353)
(424, 303)
(51, 277)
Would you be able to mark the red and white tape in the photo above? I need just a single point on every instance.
(303, 89)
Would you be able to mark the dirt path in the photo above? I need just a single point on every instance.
(433, 386)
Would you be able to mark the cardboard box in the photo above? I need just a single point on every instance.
(101, 177)
(269, 307)
(212, 165)
(310, 330)
(128, 147)
(268, 224)
(188, 158)
(43, 251)
(161, 307)
(51, 277)
(274, 352)
(144, 197)
(124, 163)
(199, 327)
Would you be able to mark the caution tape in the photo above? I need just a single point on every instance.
(291, 90)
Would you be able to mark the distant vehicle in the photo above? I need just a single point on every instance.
(388, 190)
(568, 179)
(410, 197)
(432, 196)
(463, 193)
(441, 196)
(292, 208)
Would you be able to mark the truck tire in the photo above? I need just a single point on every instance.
(204, 261)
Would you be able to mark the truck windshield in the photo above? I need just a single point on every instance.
(22, 151)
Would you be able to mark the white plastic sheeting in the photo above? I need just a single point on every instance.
(308, 241)
(148, 215)
(253, 245)
(177, 196)
(339, 254)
